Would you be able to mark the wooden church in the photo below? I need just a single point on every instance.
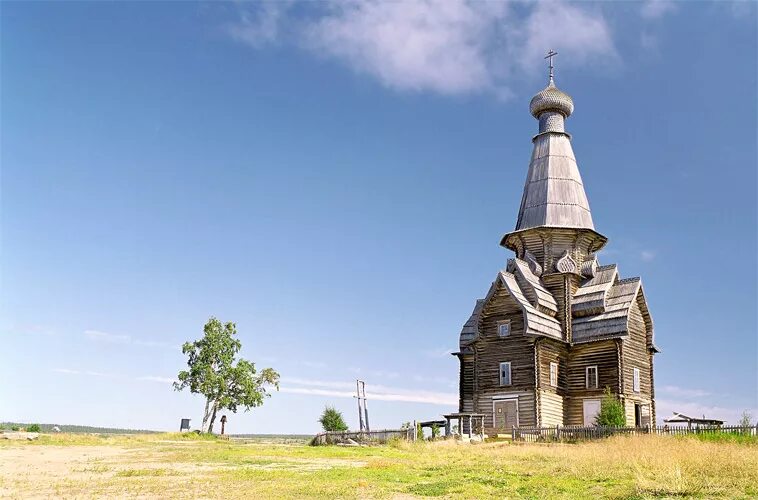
(556, 328)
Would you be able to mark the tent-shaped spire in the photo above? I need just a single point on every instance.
(554, 197)
(553, 194)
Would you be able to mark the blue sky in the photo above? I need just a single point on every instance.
(335, 178)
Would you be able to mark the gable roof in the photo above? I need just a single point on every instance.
(533, 288)
(471, 327)
(613, 319)
(591, 296)
(600, 306)
(535, 322)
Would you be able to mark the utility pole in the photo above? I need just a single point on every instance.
(360, 410)
(360, 394)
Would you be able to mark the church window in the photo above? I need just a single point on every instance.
(591, 377)
(636, 381)
(505, 373)
(504, 328)
(554, 374)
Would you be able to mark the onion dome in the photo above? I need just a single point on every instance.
(551, 98)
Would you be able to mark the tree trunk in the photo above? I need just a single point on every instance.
(206, 417)
(213, 417)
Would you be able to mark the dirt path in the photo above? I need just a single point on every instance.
(106, 471)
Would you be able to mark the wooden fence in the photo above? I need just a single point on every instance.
(577, 433)
(370, 437)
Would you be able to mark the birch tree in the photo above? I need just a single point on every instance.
(215, 371)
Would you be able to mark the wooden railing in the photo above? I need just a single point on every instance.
(364, 437)
(577, 433)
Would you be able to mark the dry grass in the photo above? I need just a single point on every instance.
(173, 466)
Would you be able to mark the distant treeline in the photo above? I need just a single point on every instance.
(84, 429)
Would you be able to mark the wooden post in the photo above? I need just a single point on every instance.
(360, 410)
(469, 427)
(447, 427)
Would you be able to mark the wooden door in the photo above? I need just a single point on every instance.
(506, 414)
(591, 407)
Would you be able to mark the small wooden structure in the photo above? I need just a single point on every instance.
(223, 424)
(431, 424)
(680, 418)
(474, 423)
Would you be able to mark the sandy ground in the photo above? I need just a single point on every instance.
(72, 471)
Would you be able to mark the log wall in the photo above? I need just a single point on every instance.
(466, 384)
(635, 354)
(491, 349)
(551, 408)
(604, 355)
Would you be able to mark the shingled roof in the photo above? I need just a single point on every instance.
(600, 306)
(554, 194)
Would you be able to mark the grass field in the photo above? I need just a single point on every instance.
(182, 466)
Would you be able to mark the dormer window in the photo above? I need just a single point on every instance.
(504, 328)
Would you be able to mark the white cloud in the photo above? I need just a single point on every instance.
(153, 378)
(107, 337)
(28, 329)
(66, 370)
(656, 9)
(89, 373)
(440, 352)
(315, 364)
(443, 46)
(647, 255)
(317, 383)
(385, 374)
(666, 407)
(579, 34)
(649, 41)
(682, 392)
(341, 389)
(437, 45)
(260, 27)
(99, 336)
(436, 380)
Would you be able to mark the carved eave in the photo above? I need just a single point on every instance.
(514, 240)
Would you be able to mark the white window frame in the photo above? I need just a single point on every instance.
(500, 324)
(587, 384)
(636, 380)
(505, 364)
(553, 374)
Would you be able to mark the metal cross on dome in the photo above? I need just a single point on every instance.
(550, 54)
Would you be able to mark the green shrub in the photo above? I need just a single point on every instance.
(331, 420)
(435, 431)
(612, 412)
(14, 427)
(33, 428)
